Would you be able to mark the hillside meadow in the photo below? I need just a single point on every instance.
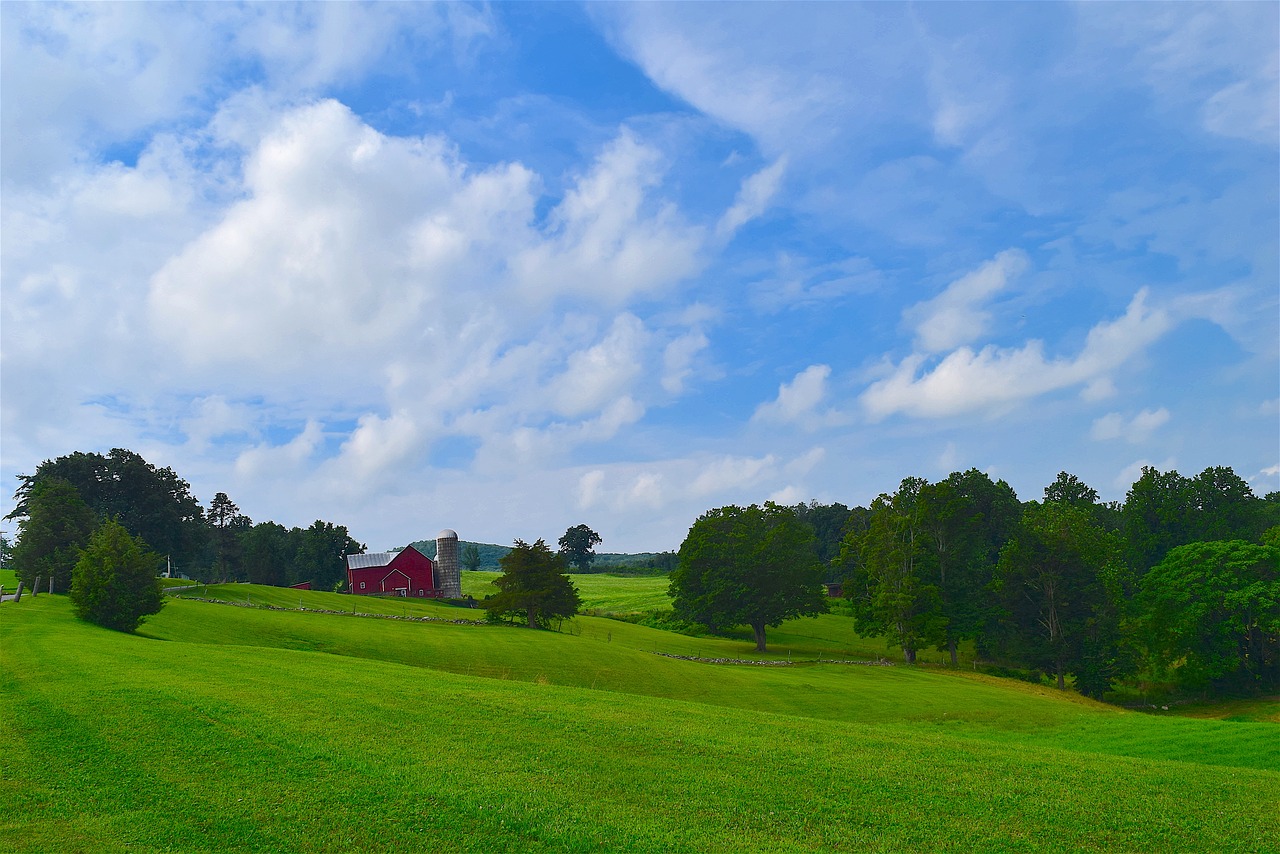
(223, 728)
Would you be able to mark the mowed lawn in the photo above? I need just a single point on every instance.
(242, 729)
(601, 593)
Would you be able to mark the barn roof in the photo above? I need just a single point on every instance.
(371, 559)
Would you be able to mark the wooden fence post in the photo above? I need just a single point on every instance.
(35, 588)
(18, 598)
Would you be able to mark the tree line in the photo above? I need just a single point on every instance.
(67, 499)
(1177, 584)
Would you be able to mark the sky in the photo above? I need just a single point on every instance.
(511, 268)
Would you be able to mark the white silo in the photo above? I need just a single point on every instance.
(447, 564)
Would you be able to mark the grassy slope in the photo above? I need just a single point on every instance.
(601, 592)
(268, 747)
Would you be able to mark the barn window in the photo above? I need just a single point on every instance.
(361, 585)
(419, 591)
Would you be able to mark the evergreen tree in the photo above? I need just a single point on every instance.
(57, 526)
(114, 583)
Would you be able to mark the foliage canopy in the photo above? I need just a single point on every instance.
(755, 566)
(114, 582)
(534, 583)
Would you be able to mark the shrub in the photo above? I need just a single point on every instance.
(114, 582)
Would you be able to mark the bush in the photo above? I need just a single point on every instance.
(114, 583)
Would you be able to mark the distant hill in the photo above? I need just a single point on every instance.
(642, 563)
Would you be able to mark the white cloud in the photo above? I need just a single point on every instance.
(731, 474)
(805, 463)
(1222, 59)
(955, 316)
(603, 372)
(268, 462)
(589, 489)
(1134, 430)
(608, 240)
(753, 198)
(678, 359)
(798, 401)
(995, 378)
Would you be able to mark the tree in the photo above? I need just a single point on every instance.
(1069, 489)
(893, 589)
(535, 583)
(152, 503)
(321, 554)
(227, 524)
(828, 522)
(755, 566)
(1060, 582)
(1209, 614)
(471, 557)
(1157, 515)
(577, 545)
(1226, 508)
(57, 526)
(114, 583)
(268, 554)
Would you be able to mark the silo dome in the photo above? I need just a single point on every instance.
(447, 534)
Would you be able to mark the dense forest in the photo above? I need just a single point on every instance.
(66, 499)
(1177, 585)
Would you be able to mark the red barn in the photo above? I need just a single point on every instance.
(403, 573)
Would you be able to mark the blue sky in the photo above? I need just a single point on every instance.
(512, 268)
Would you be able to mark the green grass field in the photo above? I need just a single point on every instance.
(601, 593)
(223, 728)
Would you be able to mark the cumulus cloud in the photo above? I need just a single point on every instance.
(1137, 429)
(345, 239)
(601, 373)
(608, 241)
(267, 462)
(994, 378)
(956, 316)
(798, 401)
(729, 473)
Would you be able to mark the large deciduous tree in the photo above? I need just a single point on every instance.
(114, 582)
(1209, 615)
(321, 554)
(57, 526)
(893, 586)
(152, 503)
(535, 584)
(753, 566)
(578, 546)
(1059, 579)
